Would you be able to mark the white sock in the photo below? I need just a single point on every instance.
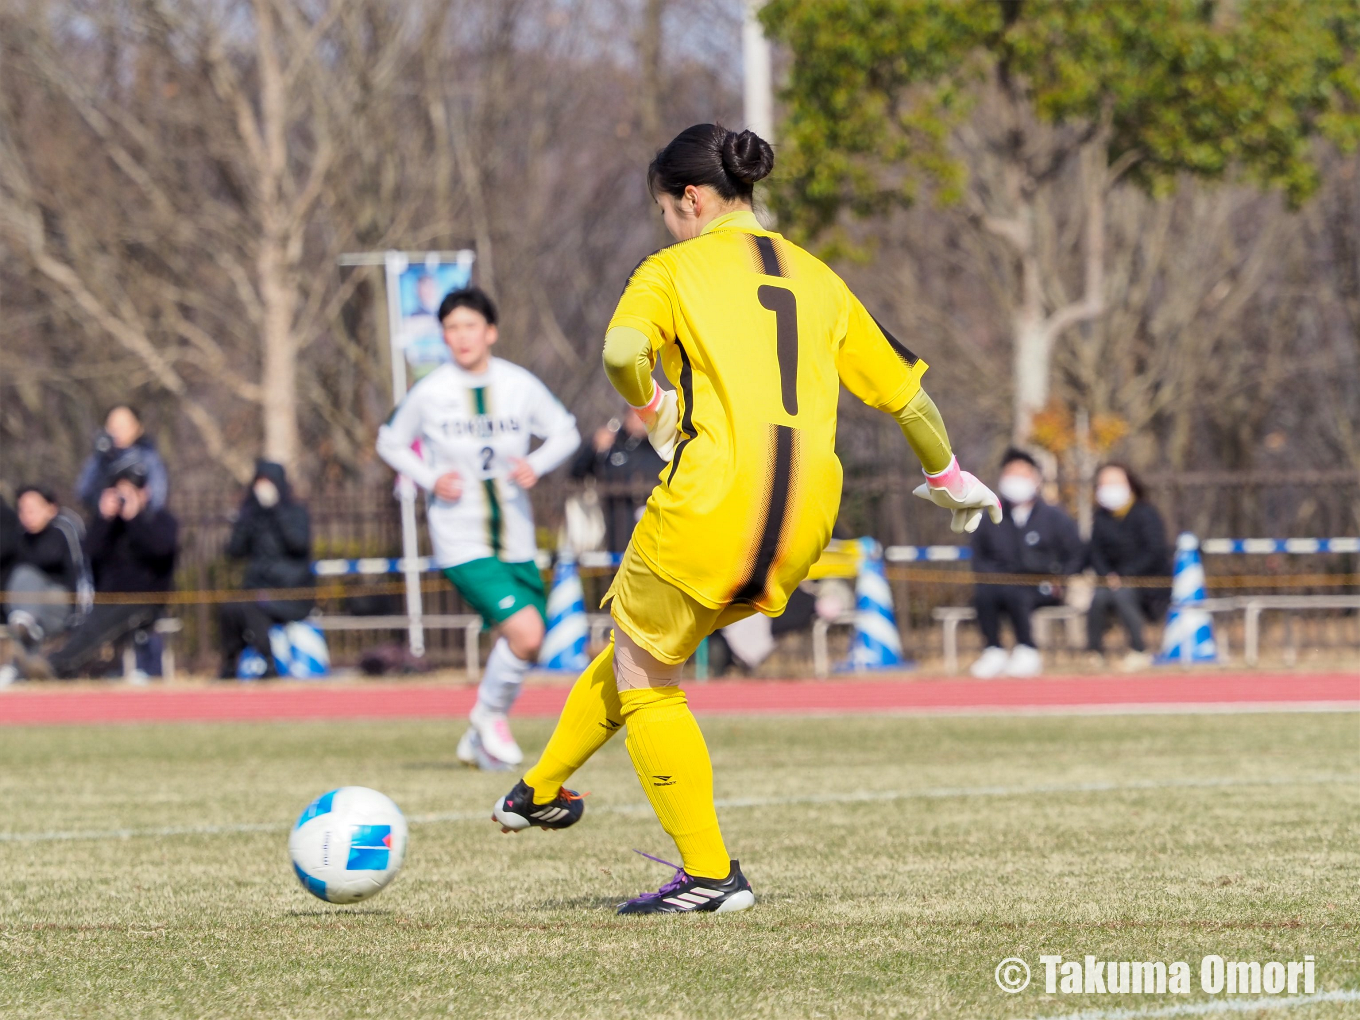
(501, 682)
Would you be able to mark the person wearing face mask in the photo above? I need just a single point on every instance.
(1034, 537)
(273, 533)
(1128, 539)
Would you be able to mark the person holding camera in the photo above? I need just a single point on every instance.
(131, 548)
(122, 432)
(273, 533)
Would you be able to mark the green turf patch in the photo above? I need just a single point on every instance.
(897, 861)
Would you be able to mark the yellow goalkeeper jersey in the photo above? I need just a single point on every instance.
(757, 335)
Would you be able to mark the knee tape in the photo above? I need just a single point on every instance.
(636, 668)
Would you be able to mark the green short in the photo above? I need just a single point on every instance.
(499, 590)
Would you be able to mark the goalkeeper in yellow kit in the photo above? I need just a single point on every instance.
(757, 337)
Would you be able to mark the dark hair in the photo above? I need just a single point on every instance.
(1014, 453)
(1136, 485)
(729, 162)
(469, 297)
(129, 466)
(41, 490)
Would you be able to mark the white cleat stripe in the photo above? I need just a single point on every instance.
(678, 902)
(692, 897)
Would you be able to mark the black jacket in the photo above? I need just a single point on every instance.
(1047, 544)
(135, 555)
(276, 542)
(9, 539)
(55, 551)
(629, 465)
(1134, 545)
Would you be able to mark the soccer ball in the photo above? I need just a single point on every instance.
(348, 844)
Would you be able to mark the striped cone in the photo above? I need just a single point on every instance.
(564, 645)
(1189, 634)
(876, 644)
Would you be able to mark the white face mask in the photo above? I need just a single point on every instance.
(1113, 497)
(1017, 488)
(266, 493)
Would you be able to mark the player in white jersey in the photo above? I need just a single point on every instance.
(473, 419)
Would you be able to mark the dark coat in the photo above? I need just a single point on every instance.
(1133, 545)
(630, 465)
(1047, 544)
(55, 551)
(9, 539)
(135, 555)
(276, 542)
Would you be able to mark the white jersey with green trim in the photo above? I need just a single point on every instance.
(476, 425)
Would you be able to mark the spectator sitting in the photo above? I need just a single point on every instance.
(9, 538)
(622, 457)
(274, 534)
(131, 549)
(1128, 539)
(48, 567)
(122, 431)
(1033, 537)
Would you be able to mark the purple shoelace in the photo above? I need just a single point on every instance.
(677, 880)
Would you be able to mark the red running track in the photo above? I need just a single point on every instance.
(1209, 691)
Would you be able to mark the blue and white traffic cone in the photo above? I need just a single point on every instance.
(564, 645)
(1189, 634)
(876, 644)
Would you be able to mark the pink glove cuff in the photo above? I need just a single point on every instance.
(648, 411)
(950, 479)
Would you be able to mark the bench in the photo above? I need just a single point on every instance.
(469, 623)
(1254, 606)
(166, 627)
(821, 663)
(1043, 618)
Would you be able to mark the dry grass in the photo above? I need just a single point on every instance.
(889, 907)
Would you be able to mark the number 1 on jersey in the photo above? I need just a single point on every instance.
(781, 301)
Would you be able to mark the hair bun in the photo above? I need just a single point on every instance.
(746, 156)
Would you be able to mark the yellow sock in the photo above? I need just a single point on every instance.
(672, 763)
(589, 718)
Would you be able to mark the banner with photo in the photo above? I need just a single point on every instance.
(421, 287)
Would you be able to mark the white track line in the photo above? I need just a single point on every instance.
(1213, 1006)
(854, 797)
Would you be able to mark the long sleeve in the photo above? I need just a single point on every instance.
(873, 365)
(628, 362)
(557, 427)
(295, 529)
(921, 423)
(87, 484)
(154, 533)
(238, 545)
(395, 439)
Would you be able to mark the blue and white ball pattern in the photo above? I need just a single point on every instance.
(348, 844)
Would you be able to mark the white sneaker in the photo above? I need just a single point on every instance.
(494, 731)
(467, 747)
(1135, 662)
(1024, 661)
(990, 663)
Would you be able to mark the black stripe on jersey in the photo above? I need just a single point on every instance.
(779, 490)
(766, 255)
(653, 255)
(907, 357)
(687, 428)
(781, 301)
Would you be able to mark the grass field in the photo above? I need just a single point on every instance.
(897, 860)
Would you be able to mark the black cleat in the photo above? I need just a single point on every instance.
(684, 894)
(517, 810)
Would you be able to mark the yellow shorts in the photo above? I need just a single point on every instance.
(660, 617)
